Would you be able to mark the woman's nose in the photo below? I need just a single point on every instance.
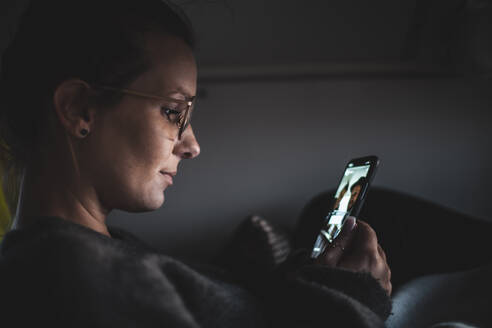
(188, 146)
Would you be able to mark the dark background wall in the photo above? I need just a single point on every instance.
(291, 90)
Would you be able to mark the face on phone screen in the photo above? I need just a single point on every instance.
(354, 181)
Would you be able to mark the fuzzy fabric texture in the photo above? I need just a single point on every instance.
(56, 273)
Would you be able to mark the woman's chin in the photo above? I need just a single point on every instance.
(145, 205)
(156, 203)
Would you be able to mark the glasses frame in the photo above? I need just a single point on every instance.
(189, 102)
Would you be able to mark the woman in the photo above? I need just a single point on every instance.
(97, 98)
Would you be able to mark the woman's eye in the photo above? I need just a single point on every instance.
(171, 114)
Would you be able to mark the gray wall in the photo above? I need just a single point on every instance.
(268, 147)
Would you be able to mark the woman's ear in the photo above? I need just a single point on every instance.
(71, 104)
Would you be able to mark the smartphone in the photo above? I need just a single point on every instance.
(348, 199)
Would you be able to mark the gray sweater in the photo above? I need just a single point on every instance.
(57, 273)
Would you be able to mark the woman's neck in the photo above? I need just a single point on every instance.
(52, 191)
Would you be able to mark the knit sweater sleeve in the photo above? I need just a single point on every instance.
(318, 296)
(301, 294)
(298, 293)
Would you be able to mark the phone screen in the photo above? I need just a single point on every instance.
(347, 201)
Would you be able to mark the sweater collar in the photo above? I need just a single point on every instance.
(45, 224)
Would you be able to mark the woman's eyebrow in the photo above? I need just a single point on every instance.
(182, 91)
(184, 95)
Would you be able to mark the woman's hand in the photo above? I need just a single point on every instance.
(356, 249)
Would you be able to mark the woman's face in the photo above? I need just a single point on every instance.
(355, 191)
(133, 148)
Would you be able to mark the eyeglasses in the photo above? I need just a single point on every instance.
(181, 114)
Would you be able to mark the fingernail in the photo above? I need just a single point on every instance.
(350, 223)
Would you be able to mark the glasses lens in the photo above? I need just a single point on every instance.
(186, 118)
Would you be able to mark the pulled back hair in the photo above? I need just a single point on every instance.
(98, 41)
(359, 182)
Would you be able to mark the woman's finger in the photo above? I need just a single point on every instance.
(365, 242)
(364, 254)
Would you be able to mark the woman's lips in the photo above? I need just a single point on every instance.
(168, 176)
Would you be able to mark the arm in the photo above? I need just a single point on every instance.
(303, 293)
(319, 296)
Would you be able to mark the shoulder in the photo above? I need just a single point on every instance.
(63, 273)
(55, 245)
(52, 239)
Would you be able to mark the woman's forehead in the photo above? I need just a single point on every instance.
(172, 67)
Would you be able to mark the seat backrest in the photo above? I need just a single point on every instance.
(418, 236)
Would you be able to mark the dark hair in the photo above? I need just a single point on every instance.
(359, 182)
(98, 41)
(344, 188)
